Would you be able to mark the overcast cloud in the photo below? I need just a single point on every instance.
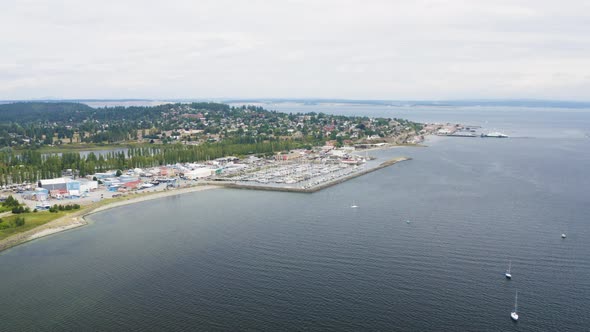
(372, 49)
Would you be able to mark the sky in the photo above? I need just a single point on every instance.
(371, 49)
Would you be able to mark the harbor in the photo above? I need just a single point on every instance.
(299, 170)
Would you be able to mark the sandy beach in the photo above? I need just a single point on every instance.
(78, 218)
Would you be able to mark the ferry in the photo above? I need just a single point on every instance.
(462, 134)
(495, 134)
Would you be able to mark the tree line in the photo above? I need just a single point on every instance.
(32, 166)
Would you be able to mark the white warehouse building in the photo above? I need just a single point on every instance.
(199, 173)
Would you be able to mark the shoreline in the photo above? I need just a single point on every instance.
(79, 218)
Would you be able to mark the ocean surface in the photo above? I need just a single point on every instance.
(266, 261)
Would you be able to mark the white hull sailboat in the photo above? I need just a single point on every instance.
(508, 274)
(514, 314)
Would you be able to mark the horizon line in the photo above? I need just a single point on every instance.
(262, 99)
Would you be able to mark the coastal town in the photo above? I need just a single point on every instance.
(194, 123)
(139, 153)
(175, 148)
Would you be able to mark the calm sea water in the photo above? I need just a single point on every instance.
(247, 260)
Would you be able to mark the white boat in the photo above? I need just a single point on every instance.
(508, 274)
(354, 206)
(495, 134)
(408, 221)
(563, 236)
(514, 314)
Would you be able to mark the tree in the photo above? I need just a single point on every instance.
(18, 210)
(119, 173)
(11, 202)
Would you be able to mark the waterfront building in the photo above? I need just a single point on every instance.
(64, 186)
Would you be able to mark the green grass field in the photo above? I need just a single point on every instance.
(32, 220)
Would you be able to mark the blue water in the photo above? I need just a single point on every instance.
(248, 260)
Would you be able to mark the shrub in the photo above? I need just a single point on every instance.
(18, 209)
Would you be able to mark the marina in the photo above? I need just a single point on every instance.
(300, 177)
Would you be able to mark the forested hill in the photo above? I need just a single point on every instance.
(54, 123)
(61, 112)
(25, 112)
(23, 123)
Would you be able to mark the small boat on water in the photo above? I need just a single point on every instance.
(408, 221)
(514, 314)
(508, 274)
(354, 206)
(494, 135)
(563, 236)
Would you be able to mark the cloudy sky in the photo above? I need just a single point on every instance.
(371, 49)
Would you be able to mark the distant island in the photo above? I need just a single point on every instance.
(528, 103)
